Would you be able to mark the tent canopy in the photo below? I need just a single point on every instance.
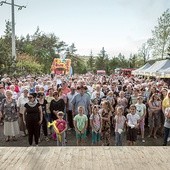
(157, 67)
(138, 71)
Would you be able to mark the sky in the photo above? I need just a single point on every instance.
(117, 25)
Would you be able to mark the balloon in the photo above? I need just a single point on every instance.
(55, 129)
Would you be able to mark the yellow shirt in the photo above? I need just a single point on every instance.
(166, 102)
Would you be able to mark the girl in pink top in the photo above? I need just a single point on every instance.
(61, 124)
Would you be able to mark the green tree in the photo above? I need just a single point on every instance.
(91, 62)
(144, 52)
(102, 61)
(160, 40)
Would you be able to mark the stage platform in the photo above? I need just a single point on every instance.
(85, 158)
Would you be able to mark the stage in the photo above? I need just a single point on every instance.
(85, 158)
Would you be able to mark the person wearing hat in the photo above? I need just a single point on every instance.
(81, 99)
(22, 100)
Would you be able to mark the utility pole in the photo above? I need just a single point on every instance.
(13, 5)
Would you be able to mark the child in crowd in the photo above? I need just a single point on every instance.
(95, 123)
(141, 111)
(61, 125)
(119, 125)
(80, 124)
(132, 125)
(166, 125)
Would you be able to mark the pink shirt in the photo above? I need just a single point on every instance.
(60, 124)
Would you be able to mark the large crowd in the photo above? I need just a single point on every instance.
(88, 104)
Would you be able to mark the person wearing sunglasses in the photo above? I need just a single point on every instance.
(33, 118)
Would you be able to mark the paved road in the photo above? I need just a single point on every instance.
(71, 141)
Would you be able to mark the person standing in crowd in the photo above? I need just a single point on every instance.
(33, 117)
(141, 111)
(49, 98)
(166, 125)
(61, 125)
(132, 125)
(105, 113)
(56, 105)
(95, 122)
(22, 100)
(133, 98)
(154, 115)
(81, 99)
(43, 103)
(10, 114)
(98, 90)
(69, 106)
(2, 96)
(80, 125)
(166, 104)
(119, 125)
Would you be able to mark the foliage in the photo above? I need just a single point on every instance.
(36, 52)
(160, 40)
(28, 65)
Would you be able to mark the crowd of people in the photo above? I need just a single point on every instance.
(100, 106)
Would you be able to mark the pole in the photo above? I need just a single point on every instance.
(13, 31)
(13, 5)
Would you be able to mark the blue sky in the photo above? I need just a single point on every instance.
(118, 25)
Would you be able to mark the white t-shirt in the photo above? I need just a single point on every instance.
(132, 119)
(140, 109)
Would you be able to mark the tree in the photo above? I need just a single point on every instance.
(90, 62)
(160, 40)
(72, 49)
(102, 61)
(144, 52)
(28, 65)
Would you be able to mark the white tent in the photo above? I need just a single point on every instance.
(157, 68)
(139, 70)
(164, 73)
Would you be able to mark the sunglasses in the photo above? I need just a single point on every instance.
(60, 114)
(30, 97)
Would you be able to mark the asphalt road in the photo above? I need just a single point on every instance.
(71, 140)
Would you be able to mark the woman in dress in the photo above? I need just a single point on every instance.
(33, 118)
(155, 105)
(105, 113)
(9, 112)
